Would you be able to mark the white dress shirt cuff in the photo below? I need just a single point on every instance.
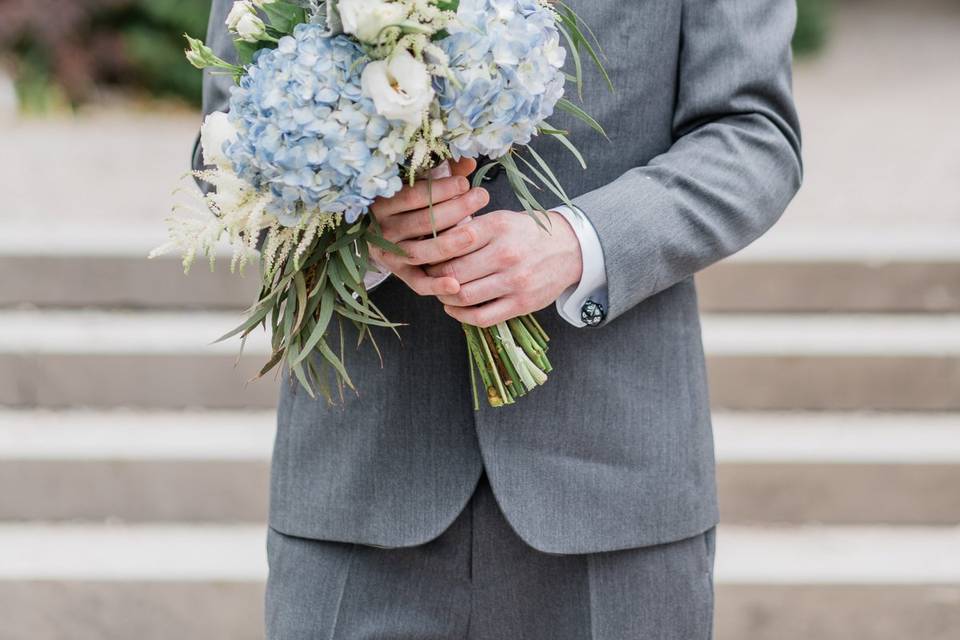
(376, 276)
(593, 282)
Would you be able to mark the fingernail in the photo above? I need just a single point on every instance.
(462, 184)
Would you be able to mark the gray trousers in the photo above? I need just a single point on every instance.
(480, 581)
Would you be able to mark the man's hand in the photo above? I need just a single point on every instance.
(507, 266)
(405, 218)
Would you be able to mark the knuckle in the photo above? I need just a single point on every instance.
(405, 198)
(448, 270)
(468, 236)
(500, 223)
(509, 256)
(422, 222)
(521, 280)
(410, 254)
(390, 233)
(388, 260)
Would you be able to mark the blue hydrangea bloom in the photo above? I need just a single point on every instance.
(507, 61)
(307, 133)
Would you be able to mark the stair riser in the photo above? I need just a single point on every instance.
(236, 491)
(737, 382)
(135, 282)
(839, 494)
(135, 491)
(830, 287)
(826, 612)
(146, 381)
(901, 383)
(52, 610)
(124, 282)
(158, 611)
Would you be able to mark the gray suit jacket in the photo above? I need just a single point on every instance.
(616, 451)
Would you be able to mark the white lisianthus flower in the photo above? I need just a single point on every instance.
(365, 19)
(238, 11)
(244, 21)
(216, 131)
(399, 86)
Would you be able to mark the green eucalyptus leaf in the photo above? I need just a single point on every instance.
(327, 307)
(582, 115)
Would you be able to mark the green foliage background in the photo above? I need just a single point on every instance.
(154, 41)
(63, 51)
(813, 25)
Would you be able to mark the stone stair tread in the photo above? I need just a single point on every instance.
(136, 435)
(837, 438)
(806, 555)
(741, 437)
(166, 332)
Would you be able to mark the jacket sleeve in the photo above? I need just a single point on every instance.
(216, 85)
(734, 164)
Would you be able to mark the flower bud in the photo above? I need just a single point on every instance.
(200, 55)
(244, 22)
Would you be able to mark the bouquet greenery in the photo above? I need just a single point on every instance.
(339, 103)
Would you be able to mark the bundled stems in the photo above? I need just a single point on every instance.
(510, 358)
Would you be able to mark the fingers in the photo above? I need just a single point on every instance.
(453, 243)
(463, 167)
(468, 268)
(486, 315)
(416, 278)
(480, 291)
(419, 195)
(442, 170)
(424, 285)
(417, 224)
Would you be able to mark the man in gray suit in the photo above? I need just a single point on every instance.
(586, 510)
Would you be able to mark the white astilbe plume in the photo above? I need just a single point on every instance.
(234, 214)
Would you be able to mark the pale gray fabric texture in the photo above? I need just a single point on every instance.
(479, 581)
(616, 450)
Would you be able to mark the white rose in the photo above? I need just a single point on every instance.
(365, 19)
(251, 28)
(244, 21)
(239, 9)
(400, 87)
(215, 132)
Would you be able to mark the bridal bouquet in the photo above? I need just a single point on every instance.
(338, 103)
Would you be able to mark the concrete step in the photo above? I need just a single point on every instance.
(786, 271)
(791, 270)
(135, 466)
(117, 582)
(163, 360)
(833, 362)
(831, 467)
(214, 467)
(83, 270)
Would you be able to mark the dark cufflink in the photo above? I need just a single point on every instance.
(592, 313)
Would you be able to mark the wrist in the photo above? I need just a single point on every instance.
(566, 237)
